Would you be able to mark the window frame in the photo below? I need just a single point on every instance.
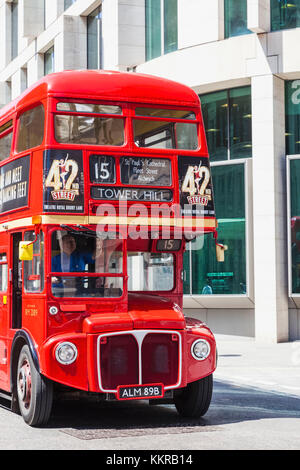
(272, 19)
(294, 295)
(104, 117)
(14, 24)
(174, 263)
(229, 121)
(168, 125)
(99, 52)
(163, 30)
(50, 52)
(226, 12)
(122, 275)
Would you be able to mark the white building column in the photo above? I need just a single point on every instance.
(18, 83)
(200, 22)
(70, 44)
(5, 34)
(53, 9)
(123, 33)
(35, 69)
(258, 16)
(269, 209)
(32, 15)
(5, 93)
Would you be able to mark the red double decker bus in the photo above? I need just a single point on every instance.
(104, 178)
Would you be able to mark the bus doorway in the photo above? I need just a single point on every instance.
(16, 306)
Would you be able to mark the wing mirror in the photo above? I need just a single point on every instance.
(25, 251)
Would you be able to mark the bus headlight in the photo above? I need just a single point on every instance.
(66, 353)
(200, 349)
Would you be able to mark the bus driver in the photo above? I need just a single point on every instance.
(70, 259)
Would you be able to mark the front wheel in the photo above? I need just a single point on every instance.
(35, 392)
(193, 401)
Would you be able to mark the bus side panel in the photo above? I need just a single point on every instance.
(4, 314)
(75, 374)
(33, 317)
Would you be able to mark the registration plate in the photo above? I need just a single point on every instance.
(135, 392)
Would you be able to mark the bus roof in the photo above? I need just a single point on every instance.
(106, 85)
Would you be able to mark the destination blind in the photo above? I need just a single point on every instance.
(134, 171)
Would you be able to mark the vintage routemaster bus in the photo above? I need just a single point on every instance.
(104, 179)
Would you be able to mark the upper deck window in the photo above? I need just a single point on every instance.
(165, 113)
(5, 140)
(88, 108)
(31, 128)
(163, 134)
(83, 128)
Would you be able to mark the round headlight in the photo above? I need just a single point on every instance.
(66, 353)
(200, 349)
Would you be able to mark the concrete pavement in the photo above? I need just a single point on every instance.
(272, 367)
(255, 405)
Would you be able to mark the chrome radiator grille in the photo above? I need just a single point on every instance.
(139, 357)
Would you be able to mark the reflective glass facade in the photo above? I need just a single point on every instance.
(170, 26)
(285, 14)
(161, 27)
(68, 3)
(295, 224)
(203, 273)
(292, 123)
(49, 61)
(228, 123)
(235, 18)
(94, 39)
(292, 116)
(14, 28)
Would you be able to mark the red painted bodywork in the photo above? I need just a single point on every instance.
(82, 320)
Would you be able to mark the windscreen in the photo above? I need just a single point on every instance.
(87, 255)
(149, 271)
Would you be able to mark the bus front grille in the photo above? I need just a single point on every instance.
(138, 357)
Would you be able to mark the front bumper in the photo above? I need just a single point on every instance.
(109, 360)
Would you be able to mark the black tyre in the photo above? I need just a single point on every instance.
(35, 392)
(193, 401)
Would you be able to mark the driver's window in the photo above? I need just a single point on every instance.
(77, 256)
